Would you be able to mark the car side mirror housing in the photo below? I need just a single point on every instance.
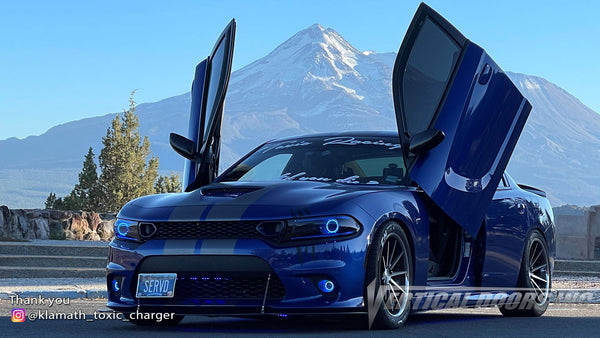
(183, 146)
(425, 141)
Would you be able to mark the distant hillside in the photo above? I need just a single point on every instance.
(315, 81)
(559, 149)
(570, 210)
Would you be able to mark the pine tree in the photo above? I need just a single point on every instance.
(50, 201)
(125, 175)
(165, 184)
(69, 202)
(84, 195)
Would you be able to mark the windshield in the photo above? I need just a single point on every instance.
(352, 160)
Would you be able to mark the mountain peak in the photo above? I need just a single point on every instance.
(318, 57)
(315, 39)
(315, 32)
(316, 27)
(315, 53)
(314, 82)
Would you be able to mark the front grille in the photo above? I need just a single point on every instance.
(206, 230)
(214, 279)
(199, 286)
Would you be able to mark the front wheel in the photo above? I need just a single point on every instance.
(389, 278)
(534, 280)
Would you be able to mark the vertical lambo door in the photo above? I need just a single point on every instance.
(459, 117)
(202, 146)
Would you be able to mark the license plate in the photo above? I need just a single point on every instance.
(156, 285)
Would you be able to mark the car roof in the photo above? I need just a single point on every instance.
(380, 133)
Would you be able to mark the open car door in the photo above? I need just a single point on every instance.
(202, 146)
(459, 117)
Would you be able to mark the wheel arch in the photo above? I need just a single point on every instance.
(414, 237)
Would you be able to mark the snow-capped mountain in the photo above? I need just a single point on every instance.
(315, 81)
(312, 82)
(559, 149)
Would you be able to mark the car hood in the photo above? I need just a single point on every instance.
(255, 200)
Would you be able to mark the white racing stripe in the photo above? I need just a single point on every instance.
(180, 247)
(218, 246)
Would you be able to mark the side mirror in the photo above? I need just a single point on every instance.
(425, 140)
(183, 146)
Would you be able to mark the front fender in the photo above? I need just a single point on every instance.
(406, 208)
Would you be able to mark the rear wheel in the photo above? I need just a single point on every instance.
(534, 280)
(389, 278)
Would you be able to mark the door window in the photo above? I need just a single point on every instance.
(218, 74)
(430, 65)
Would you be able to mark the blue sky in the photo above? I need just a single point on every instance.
(67, 60)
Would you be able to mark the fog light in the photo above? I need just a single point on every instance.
(326, 286)
(116, 286)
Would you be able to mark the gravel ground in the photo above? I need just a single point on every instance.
(559, 284)
(575, 282)
(63, 242)
(55, 283)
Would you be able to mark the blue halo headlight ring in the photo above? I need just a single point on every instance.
(115, 285)
(332, 226)
(321, 227)
(123, 228)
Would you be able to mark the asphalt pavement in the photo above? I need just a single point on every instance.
(560, 320)
(72, 288)
(94, 288)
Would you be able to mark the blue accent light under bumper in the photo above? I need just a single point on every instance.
(295, 267)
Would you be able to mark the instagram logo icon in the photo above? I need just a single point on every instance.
(17, 315)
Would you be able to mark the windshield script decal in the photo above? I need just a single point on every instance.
(349, 180)
(351, 141)
(300, 177)
(285, 145)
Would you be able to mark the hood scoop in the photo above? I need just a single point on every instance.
(228, 191)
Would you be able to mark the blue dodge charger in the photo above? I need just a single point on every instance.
(376, 224)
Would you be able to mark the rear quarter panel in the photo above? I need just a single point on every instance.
(507, 226)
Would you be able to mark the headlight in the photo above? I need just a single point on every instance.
(125, 229)
(321, 227)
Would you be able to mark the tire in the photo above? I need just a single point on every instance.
(151, 322)
(534, 280)
(388, 278)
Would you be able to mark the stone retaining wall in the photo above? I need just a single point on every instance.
(577, 236)
(30, 224)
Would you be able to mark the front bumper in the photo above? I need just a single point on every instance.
(229, 277)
